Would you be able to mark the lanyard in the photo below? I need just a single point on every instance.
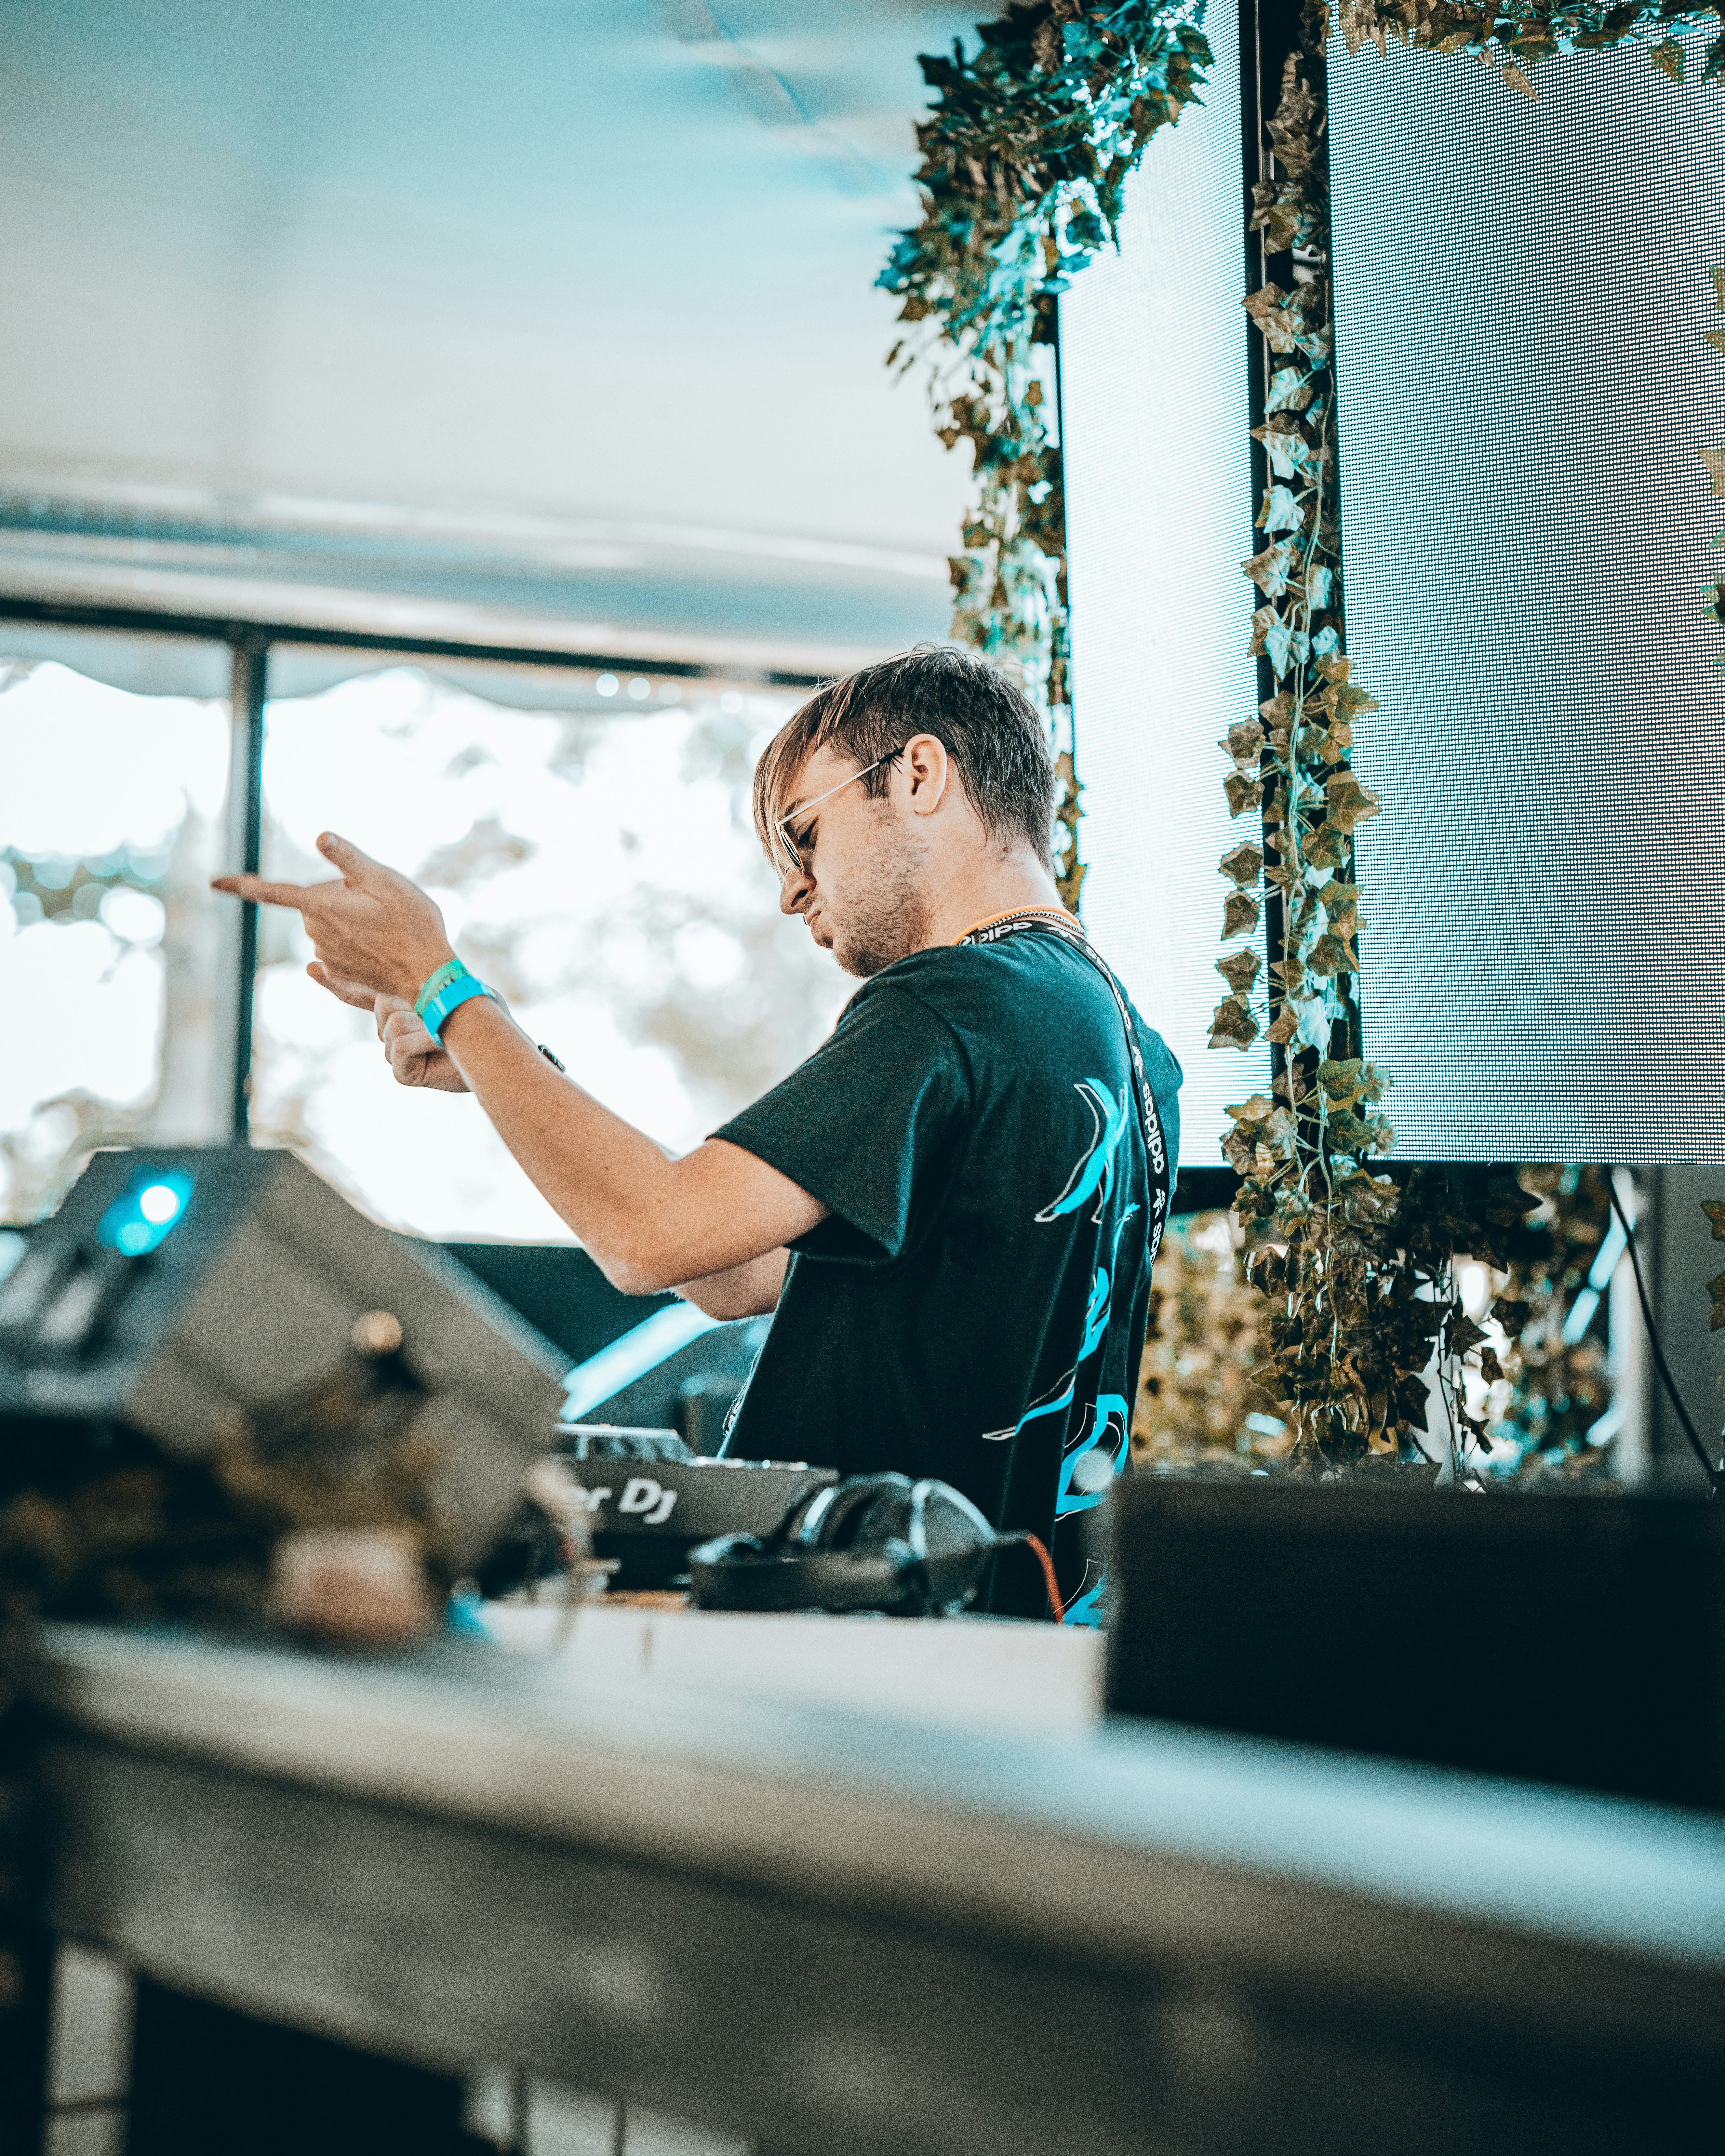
(1045, 921)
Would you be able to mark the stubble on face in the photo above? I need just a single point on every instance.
(878, 915)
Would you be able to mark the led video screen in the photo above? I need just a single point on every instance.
(1523, 294)
(1154, 399)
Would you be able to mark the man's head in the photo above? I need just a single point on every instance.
(892, 782)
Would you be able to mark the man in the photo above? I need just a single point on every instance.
(952, 1206)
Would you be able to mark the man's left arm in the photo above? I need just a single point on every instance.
(748, 1291)
(648, 1222)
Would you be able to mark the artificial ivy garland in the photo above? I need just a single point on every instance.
(1025, 157)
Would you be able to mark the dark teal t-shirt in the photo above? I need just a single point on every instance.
(975, 1307)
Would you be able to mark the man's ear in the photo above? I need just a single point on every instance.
(928, 768)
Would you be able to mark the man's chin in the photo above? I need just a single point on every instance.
(864, 949)
(861, 963)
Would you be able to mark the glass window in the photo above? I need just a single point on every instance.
(589, 842)
(117, 971)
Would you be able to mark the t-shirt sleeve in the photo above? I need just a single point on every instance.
(866, 1120)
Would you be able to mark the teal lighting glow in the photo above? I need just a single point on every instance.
(641, 1349)
(146, 1211)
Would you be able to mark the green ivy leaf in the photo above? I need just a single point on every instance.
(1269, 570)
(1290, 389)
(1286, 646)
(1280, 329)
(1328, 846)
(1341, 1079)
(1245, 864)
(1285, 445)
(1282, 213)
(1347, 1131)
(1350, 803)
(1243, 792)
(1239, 969)
(1240, 914)
(1318, 345)
(1329, 955)
(1234, 1024)
(1244, 742)
(1280, 511)
(1461, 1336)
(1340, 901)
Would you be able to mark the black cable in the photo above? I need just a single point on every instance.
(1715, 1476)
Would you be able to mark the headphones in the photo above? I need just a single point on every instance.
(874, 1542)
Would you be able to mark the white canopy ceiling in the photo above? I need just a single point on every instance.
(548, 323)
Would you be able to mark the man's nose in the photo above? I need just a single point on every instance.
(794, 893)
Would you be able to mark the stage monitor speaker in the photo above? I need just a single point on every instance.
(1524, 289)
(1572, 1636)
(197, 1296)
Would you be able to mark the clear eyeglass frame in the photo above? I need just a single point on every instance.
(788, 853)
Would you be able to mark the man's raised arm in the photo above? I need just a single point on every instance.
(648, 1223)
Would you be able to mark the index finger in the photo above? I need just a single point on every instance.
(262, 893)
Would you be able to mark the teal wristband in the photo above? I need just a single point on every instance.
(452, 969)
(450, 997)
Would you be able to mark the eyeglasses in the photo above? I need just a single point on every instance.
(790, 850)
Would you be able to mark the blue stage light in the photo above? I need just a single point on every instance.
(146, 1211)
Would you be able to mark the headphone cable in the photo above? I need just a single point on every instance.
(1049, 1581)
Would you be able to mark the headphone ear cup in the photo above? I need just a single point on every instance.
(852, 1579)
(852, 1512)
(874, 1542)
(740, 1572)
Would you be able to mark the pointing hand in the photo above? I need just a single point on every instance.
(374, 931)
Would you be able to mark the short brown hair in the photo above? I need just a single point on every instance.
(990, 730)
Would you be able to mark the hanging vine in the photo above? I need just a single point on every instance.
(1025, 156)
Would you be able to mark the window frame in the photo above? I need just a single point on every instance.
(250, 642)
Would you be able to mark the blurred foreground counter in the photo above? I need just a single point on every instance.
(853, 1887)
